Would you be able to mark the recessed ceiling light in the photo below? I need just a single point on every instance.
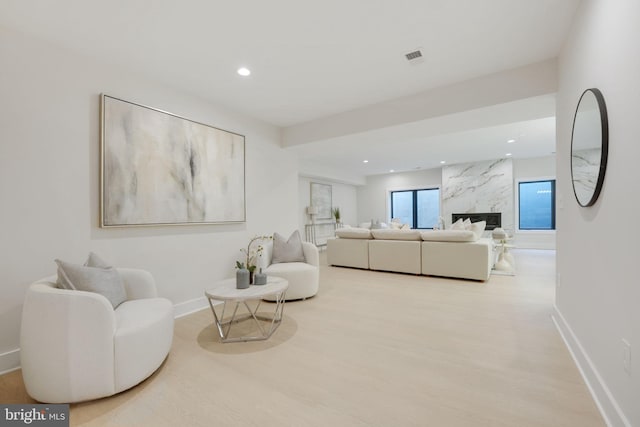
(244, 72)
(365, 161)
(391, 170)
(508, 154)
(442, 162)
(510, 141)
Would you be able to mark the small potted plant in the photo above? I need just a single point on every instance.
(336, 214)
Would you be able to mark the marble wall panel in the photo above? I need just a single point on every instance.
(479, 187)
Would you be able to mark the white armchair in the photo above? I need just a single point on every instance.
(76, 347)
(303, 277)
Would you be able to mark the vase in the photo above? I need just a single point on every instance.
(260, 278)
(242, 278)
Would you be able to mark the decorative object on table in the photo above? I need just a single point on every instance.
(243, 279)
(260, 278)
(498, 234)
(321, 199)
(251, 255)
(589, 147)
(504, 259)
(158, 168)
(336, 214)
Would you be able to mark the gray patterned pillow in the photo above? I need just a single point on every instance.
(287, 250)
(104, 281)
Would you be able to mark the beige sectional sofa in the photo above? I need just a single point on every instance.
(449, 253)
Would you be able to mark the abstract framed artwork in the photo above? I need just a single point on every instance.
(321, 198)
(158, 168)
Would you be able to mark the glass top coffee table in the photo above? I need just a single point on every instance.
(226, 292)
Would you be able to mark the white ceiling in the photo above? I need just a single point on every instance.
(309, 59)
(480, 134)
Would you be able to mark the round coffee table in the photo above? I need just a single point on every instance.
(227, 292)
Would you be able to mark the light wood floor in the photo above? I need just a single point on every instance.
(371, 349)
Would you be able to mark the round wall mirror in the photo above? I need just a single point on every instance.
(589, 147)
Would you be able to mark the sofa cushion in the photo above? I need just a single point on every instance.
(354, 233)
(478, 228)
(449, 236)
(104, 281)
(390, 234)
(287, 250)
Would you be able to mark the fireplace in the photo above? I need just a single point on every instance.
(494, 219)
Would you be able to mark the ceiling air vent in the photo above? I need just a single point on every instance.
(414, 56)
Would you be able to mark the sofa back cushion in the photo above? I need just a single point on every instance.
(449, 236)
(390, 234)
(354, 233)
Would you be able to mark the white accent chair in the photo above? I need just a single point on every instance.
(303, 277)
(74, 346)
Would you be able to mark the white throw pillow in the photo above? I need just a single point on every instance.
(448, 236)
(395, 225)
(354, 233)
(467, 224)
(458, 225)
(478, 228)
(405, 227)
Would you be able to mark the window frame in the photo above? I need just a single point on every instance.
(414, 192)
(553, 204)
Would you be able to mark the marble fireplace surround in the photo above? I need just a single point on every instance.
(479, 187)
(493, 219)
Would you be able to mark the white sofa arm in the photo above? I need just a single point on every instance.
(138, 283)
(73, 326)
(311, 254)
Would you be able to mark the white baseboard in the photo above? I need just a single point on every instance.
(185, 308)
(9, 361)
(609, 408)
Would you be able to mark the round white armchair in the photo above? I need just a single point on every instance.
(303, 277)
(76, 347)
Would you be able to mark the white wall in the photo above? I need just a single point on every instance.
(598, 295)
(343, 196)
(532, 169)
(373, 198)
(49, 187)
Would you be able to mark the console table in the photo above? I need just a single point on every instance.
(318, 233)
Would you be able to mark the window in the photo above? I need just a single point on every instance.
(418, 208)
(537, 205)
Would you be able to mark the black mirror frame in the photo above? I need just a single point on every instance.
(604, 145)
